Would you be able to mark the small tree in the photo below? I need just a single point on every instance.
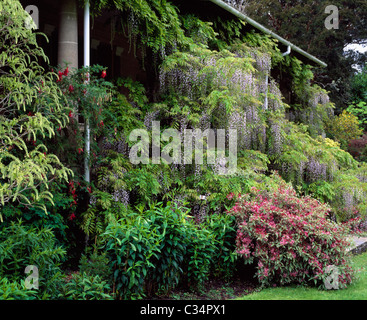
(344, 128)
(31, 107)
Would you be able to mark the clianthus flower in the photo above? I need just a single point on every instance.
(60, 76)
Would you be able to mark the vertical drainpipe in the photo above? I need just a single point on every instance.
(87, 64)
(266, 91)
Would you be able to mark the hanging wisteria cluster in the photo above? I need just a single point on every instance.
(149, 118)
(133, 29)
(316, 109)
(316, 170)
(121, 196)
(244, 74)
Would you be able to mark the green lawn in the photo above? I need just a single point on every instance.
(356, 291)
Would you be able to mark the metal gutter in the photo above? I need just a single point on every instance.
(257, 25)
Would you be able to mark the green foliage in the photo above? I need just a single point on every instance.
(358, 87)
(359, 110)
(144, 182)
(344, 128)
(309, 103)
(15, 291)
(151, 23)
(95, 264)
(98, 214)
(53, 217)
(321, 190)
(199, 256)
(200, 32)
(222, 226)
(82, 286)
(22, 245)
(31, 106)
(131, 244)
(162, 247)
(170, 223)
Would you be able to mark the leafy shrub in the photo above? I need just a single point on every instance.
(171, 225)
(321, 190)
(199, 256)
(96, 264)
(222, 226)
(82, 286)
(15, 291)
(22, 245)
(290, 239)
(31, 107)
(157, 249)
(187, 249)
(359, 110)
(131, 243)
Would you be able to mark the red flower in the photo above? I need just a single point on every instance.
(60, 76)
(59, 129)
(80, 150)
(103, 74)
(230, 196)
(101, 123)
(70, 114)
(66, 71)
(72, 216)
(71, 88)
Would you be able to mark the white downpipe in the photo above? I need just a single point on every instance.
(287, 52)
(266, 92)
(87, 64)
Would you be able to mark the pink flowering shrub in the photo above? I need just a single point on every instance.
(291, 240)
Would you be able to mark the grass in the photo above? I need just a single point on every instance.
(356, 291)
